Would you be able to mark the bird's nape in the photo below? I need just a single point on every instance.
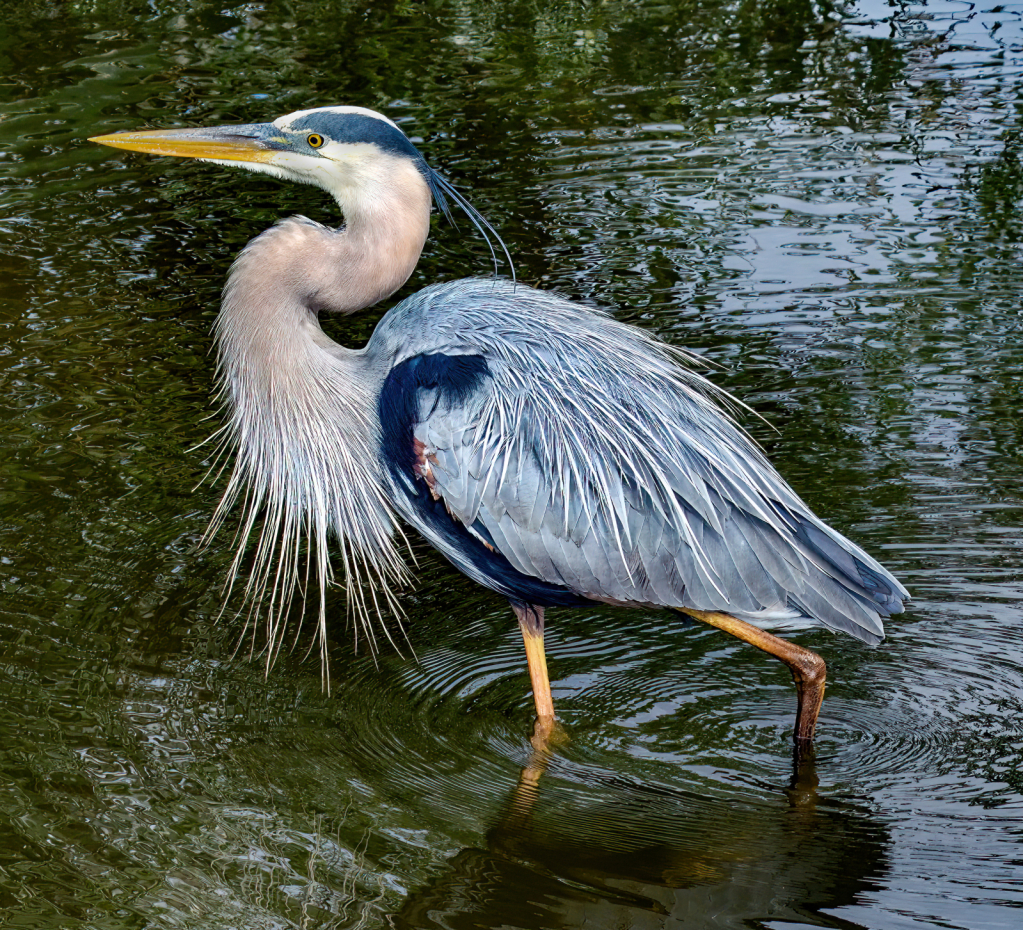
(552, 454)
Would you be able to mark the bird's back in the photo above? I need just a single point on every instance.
(555, 454)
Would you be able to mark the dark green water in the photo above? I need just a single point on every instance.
(824, 199)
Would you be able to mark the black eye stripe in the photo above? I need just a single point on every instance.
(345, 128)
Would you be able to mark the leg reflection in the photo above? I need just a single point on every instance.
(597, 848)
(548, 734)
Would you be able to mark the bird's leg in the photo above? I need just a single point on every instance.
(530, 620)
(804, 783)
(808, 669)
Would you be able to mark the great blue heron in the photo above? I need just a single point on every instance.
(552, 454)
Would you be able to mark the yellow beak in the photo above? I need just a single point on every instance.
(253, 142)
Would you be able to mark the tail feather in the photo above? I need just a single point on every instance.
(875, 590)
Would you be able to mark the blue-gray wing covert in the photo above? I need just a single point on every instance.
(589, 459)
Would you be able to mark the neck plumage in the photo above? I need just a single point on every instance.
(302, 409)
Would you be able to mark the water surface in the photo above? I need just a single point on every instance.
(824, 200)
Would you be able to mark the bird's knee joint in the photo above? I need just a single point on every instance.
(811, 670)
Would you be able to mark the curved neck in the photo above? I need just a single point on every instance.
(301, 264)
(301, 408)
(267, 331)
(295, 396)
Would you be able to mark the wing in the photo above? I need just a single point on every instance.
(571, 449)
(433, 392)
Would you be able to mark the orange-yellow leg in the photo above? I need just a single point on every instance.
(531, 623)
(808, 669)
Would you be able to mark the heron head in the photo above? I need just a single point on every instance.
(358, 156)
(339, 149)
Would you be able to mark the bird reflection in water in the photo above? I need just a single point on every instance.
(579, 850)
(552, 454)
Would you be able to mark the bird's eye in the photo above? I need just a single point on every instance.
(314, 139)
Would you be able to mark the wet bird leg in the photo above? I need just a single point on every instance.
(531, 623)
(808, 669)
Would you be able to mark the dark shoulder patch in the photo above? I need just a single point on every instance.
(454, 378)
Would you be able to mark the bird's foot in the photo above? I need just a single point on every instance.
(548, 735)
(804, 784)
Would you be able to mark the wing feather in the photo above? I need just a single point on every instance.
(595, 462)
